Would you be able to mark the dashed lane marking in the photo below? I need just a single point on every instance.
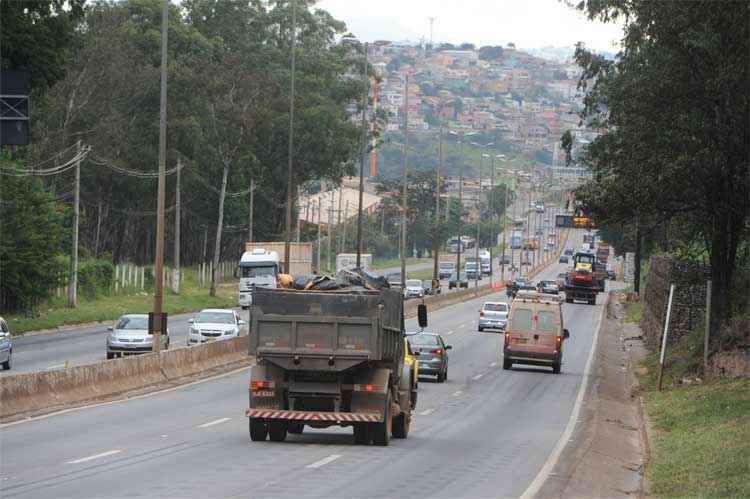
(449, 332)
(96, 456)
(324, 461)
(214, 422)
(427, 412)
(493, 364)
(457, 393)
(477, 377)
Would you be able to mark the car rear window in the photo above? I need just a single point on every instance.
(424, 340)
(521, 319)
(496, 307)
(545, 321)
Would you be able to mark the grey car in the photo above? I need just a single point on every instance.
(6, 345)
(493, 315)
(432, 354)
(129, 335)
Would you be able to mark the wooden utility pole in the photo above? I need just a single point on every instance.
(405, 166)
(288, 234)
(436, 228)
(363, 154)
(343, 229)
(219, 223)
(338, 221)
(250, 211)
(319, 222)
(159, 257)
(73, 280)
(505, 222)
(177, 216)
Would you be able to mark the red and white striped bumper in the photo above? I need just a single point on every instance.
(357, 417)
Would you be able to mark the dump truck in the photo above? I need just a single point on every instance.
(581, 283)
(330, 358)
(300, 255)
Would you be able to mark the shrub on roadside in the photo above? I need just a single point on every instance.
(95, 277)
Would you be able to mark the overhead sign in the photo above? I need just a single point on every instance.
(14, 108)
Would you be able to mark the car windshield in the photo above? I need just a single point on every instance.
(446, 265)
(496, 307)
(215, 317)
(413, 283)
(424, 340)
(252, 272)
(130, 322)
(586, 258)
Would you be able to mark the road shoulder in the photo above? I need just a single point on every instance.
(607, 454)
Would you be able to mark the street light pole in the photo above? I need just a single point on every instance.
(403, 193)
(479, 212)
(365, 93)
(288, 234)
(156, 325)
(436, 230)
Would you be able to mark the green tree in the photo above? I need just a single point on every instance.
(32, 231)
(673, 109)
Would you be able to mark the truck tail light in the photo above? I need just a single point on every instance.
(437, 351)
(481, 313)
(368, 388)
(507, 338)
(262, 385)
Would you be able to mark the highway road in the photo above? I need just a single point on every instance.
(486, 432)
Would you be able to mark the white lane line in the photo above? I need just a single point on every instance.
(449, 332)
(96, 456)
(56, 366)
(214, 422)
(541, 477)
(461, 326)
(324, 461)
(457, 393)
(427, 412)
(477, 377)
(493, 364)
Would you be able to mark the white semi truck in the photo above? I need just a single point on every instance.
(258, 267)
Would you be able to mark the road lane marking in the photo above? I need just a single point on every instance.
(427, 412)
(449, 332)
(214, 422)
(541, 477)
(96, 456)
(477, 377)
(56, 366)
(493, 364)
(457, 393)
(324, 461)
(462, 325)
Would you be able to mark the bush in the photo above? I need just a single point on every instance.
(95, 276)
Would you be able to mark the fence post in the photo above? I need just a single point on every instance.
(664, 338)
(708, 328)
(117, 278)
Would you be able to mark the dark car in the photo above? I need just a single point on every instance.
(514, 286)
(454, 283)
(432, 353)
(568, 252)
(564, 259)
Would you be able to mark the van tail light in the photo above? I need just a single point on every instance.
(507, 338)
(437, 351)
(261, 385)
(481, 313)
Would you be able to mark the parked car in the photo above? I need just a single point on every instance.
(445, 269)
(535, 332)
(432, 353)
(214, 324)
(563, 259)
(453, 282)
(548, 287)
(129, 335)
(413, 289)
(493, 315)
(6, 345)
(429, 289)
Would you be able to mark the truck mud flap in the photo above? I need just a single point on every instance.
(334, 417)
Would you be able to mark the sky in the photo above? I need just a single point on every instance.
(527, 23)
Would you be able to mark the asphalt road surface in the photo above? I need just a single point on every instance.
(486, 432)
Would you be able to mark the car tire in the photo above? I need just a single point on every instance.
(362, 434)
(480, 329)
(440, 377)
(556, 367)
(507, 363)
(568, 300)
(381, 432)
(258, 430)
(401, 424)
(296, 428)
(277, 431)
(8, 363)
(592, 302)
(110, 355)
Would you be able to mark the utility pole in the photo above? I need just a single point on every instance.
(436, 229)
(460, 211)
(250, 210)
(177, 217)
(330, 229)
(340, 244)
(158, 321)
(319, 222)
(403, 194)
(505, 222)
(73, 281)
(365, 93)
(343, 229)
(492, 213)
(288, 235)
(479, 212)
(299, 225)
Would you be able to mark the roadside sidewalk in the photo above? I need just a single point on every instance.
(608, 452)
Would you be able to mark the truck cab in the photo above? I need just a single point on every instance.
(258, 268)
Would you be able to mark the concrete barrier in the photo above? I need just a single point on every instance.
(48, 390)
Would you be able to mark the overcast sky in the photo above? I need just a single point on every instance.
(527, 23)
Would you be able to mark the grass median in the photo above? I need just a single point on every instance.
(105, 308)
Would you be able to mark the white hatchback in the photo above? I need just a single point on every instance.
(214, 324)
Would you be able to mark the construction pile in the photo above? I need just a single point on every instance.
(355, 279)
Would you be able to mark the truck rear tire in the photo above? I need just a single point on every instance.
(507, 363)
(296, 428)
(258, 430)
(401, 424)
(592, 301)
(568, 299)
(362, 434)
(381, 432)
(556, 367)
(277, 431)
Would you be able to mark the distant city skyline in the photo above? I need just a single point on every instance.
(526, 23)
